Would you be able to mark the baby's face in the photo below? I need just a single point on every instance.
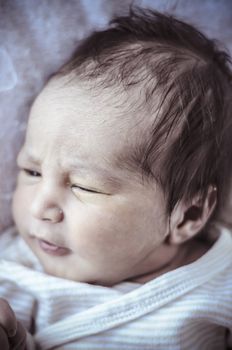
(85, 218)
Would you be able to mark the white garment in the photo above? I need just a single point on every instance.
(189, 308)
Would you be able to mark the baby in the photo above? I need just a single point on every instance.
(122, 175)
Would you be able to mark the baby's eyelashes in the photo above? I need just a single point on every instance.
(31, 172)
(34, 173)
(77, 187)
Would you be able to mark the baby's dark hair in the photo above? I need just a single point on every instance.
(189, 146)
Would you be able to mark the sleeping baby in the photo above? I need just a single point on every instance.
(122, 176)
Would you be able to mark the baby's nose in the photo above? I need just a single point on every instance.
(45, 206)
(53, 214)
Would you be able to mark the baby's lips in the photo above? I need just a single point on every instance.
(53, 249)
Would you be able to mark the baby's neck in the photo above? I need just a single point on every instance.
(186, 254)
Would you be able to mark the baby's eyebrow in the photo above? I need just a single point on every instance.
(92, 169)
(28, 157)
(80, 168)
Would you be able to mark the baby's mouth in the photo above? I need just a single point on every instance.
(51, 248)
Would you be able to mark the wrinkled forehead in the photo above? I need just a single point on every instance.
(69, 101)
(83, 117)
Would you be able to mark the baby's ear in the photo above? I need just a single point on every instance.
(188, 219)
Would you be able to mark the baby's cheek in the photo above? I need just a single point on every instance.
(16, 207)
(95, 231)
(20, 207)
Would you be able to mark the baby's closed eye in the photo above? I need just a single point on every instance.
(74, 187)
(31, 172)
(81, 188)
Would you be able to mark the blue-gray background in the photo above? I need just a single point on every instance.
(37, 36)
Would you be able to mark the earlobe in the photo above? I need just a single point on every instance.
(189, 219)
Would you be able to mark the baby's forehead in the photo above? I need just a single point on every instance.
(89, 118)
(108, 106)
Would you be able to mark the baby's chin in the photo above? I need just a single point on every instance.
(63, 267)
(60, 271)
